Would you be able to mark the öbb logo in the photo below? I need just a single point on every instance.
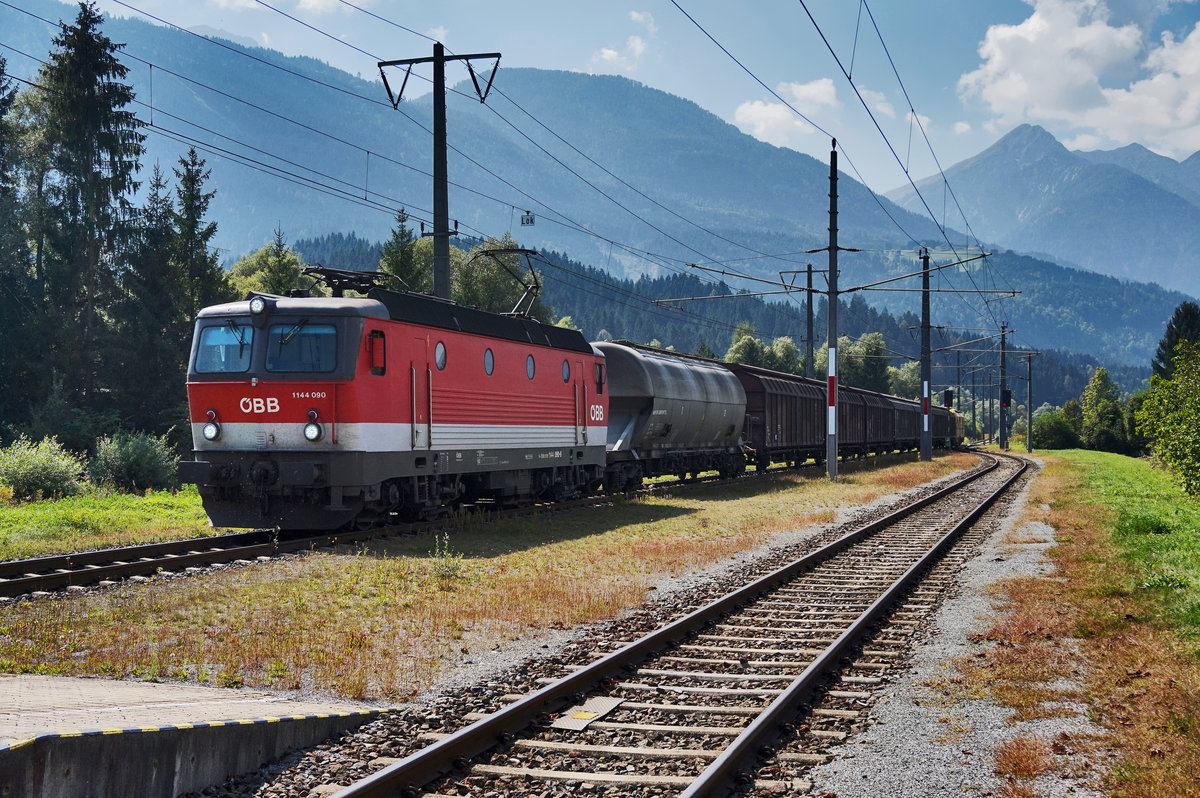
(597, 412)
(259, 405)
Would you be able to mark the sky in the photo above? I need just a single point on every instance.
(905, 86)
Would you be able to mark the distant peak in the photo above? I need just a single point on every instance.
(1028, 134)
(1026, 144)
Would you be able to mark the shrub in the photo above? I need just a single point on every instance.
(1053, 431)
(1170, 417)
(135, 461)
(41, 470)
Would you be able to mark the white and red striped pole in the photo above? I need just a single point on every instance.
(831, 437)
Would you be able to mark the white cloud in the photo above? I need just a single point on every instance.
(812, 96)
(265, 40)
(877, 101)
(438, 34)
(961, 128)
(625, 60)
(773, 123)
(646, 20)
(234, 4)
(776, 123)
(1098, 82)
(321, 6)
(926, 122)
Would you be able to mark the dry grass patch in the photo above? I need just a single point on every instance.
(385, 621)
(1140, 678)
(1023, 757)
(1028, 654)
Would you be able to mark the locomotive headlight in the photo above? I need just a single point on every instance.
(258, 305)
(211, 429)
(313, 430)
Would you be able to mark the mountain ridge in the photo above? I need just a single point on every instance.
(703, 191)
(1091, 209)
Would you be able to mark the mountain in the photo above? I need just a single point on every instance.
(1127, 213)
(1166, 173)
(297, 145)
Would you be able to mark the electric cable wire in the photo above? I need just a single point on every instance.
(660, 260)
(521, 133)
(887, 141)
(308, 182)
(346, 194)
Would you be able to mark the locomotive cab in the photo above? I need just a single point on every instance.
(266, 378)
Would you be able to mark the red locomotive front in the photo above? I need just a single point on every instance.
(315, 413)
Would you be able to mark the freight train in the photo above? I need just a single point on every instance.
(324, 412)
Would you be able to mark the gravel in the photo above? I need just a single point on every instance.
(924, 743)
(900, 755)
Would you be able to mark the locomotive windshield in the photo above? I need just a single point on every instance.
(225, 349)
(301, 346)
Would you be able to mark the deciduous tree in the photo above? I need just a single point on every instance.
(491, 282)
(274, 269)
(1170, 417)
(1103, 421)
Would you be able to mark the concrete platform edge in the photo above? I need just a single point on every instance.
(160, 761)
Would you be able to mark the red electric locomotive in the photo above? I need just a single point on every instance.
(314, 413)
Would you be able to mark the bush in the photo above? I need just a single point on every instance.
(1053, 431)
(42, 470)
(135, 462)
(1170, 417)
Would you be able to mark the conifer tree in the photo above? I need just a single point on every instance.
(202, 279)
(1183, 326)
(400, 257)
(95, 144)
(17, 304)
(146, 358)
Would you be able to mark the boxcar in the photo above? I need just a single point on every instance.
(785, 416)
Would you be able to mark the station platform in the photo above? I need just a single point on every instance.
(66, 736)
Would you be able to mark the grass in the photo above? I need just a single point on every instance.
(1121, 616)
(1023, 757)
(385, 621)
(99, 519)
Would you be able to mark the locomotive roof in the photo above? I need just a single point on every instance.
(421, 310)
(432, 312)
(317, 306)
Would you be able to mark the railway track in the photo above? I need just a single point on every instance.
(61, 571)
(733, 698)
(80, 569)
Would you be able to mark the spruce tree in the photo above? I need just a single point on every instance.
(95, 144)
(146, 358)
(202, 279)
(17, 304)
(400, 257)
(1183, 326)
